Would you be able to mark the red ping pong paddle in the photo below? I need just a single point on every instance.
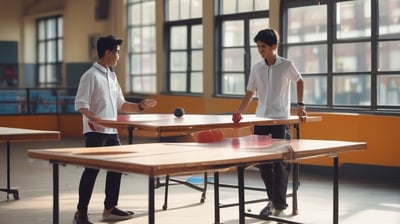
(210, 136)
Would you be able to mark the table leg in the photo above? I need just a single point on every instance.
(240, 171)
(336, 190)
(151, 200)
(216, 198)
(8, 190)
(130, 134)
(55, 194)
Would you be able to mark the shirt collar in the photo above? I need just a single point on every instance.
(101, 68)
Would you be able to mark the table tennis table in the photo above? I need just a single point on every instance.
(8, 135)
(165, 125)
(156, 159)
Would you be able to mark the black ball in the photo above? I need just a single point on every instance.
(179, 112)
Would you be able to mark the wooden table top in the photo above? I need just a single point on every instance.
(22, 134)
(196, 122)
(156, 159)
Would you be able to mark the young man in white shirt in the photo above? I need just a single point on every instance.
(99, 97)
(270, 79)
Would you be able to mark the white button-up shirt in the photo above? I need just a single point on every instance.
(99, 92)
(272, 84)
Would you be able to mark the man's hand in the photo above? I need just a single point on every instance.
(236, 117)
(302, 113)
(148, 103)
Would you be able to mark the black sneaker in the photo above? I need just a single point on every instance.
(267, 211)
(80, 218)
(116, 214)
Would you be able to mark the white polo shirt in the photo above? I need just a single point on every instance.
(272, 85)
(99, 92)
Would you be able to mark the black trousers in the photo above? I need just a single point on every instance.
(89, 175)
(275, 175)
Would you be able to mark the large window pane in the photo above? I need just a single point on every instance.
(389, 15)
(233, 59)
(178, 37)
(196, 81)
(232, 83)
(239, 6)
(352, 90)
(389, 90)
(353, 19)
(197, 60)
(255, 26)
(178, 61)
(352, 57)
(389, 54)
(184, 9)
(197, 36)
(307, 24)
(233, 33)
(178, 82)
(315, 90)
(309, 58)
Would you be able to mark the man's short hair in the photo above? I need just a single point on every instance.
(268, 36)
(107, 43)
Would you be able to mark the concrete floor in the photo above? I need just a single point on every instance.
(360, 201)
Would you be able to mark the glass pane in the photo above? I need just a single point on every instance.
(315, 90)
(255, 55)
(245, 6)
(352, 57)
(389, 54)
(135, 14)
(255, 26)
(261, 4)
(197, 36)
(178, 61)
(178, 82)
(352, 90)
(173, 10)
(307, 24)
(149, 45)
(233, 33)
(42, 73)
(184, 9)
(60, 27)
(228, 6)
(196, 9)
(233, 59)
(178, 37)
(309, 58)
(136, 40)
(148, 15)
(233, 83)
(389, 90)
(353, 19)
(60, 50)
(51, 51)
(42, 53)
(143, 84)
(149, 64)
(41, 30)
(51, 29)
(196, 82)
(136, 64)
(389, 15)
(197, 60)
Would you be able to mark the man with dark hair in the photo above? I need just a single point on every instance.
(271, 78)
(99, 97)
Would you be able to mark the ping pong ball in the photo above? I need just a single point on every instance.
(179, 112)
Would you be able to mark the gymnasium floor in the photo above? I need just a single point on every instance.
(360, 201)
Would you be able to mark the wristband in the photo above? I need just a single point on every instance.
(301, 104)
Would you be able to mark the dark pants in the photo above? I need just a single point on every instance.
(275, 175)
(89, 175)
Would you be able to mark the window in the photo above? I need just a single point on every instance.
(49, 53)
(142, 46)
(346, 51)
(184, 31)
(237, 24)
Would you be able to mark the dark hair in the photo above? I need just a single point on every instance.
(107, 43)
(267, 36)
